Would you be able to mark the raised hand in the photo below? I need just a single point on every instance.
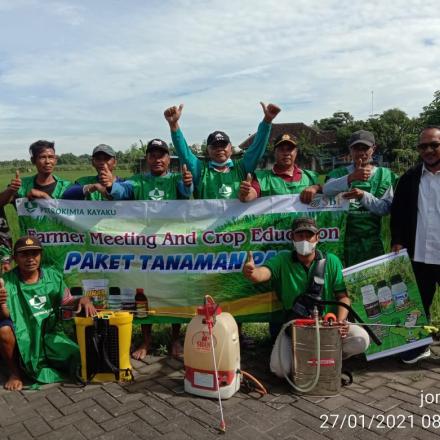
(249, 267)
(15, 182)
(106, 177)
(3, 293)
(245, 188)
(186, 176)
(360, 172)
(270, 111)
(172, 115)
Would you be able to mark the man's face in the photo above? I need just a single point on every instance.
(429, 146)
(305, 236)
(285, 155)
(362, 152)
(100, 159)
(45, 161)
(220, 152)
(158, 162)
(28, 261)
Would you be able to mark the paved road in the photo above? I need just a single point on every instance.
(384, 394)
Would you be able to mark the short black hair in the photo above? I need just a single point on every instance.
(36, 148)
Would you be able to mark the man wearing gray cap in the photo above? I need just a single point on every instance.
(91, 187)
(370, 191)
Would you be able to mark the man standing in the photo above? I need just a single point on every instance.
(30, 300)
(370, 191)
(220, 177)
(284, 178)
(91, 187)
(292, 274)
(158, 184)
(44, 185)
(415, 222)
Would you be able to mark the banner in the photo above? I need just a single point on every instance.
(383, 290)
(176, 251)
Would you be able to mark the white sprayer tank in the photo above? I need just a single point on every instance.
(198, 359)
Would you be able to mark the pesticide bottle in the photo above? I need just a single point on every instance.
(370, 301)
(385, 298)
(400, 292)
(141, 303)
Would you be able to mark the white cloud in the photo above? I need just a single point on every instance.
(106, 70)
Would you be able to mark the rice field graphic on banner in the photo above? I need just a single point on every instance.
(383, 290)
(176, 251)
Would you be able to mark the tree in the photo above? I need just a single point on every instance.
(338, 120)
(431, 112)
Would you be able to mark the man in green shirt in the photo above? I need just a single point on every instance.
(292, 273)
(44, 185)
(220, 176)
(284, 178)
(370, 190)
(30, 301)
(158, 184)
(91, 187)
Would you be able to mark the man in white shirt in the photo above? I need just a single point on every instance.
(415, 218)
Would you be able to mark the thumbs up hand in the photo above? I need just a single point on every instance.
(106, 177)
(172, 115)
(361, 172)
(3, 293)
(249, 267)
(15, 182)
(270, 111)
(246, 192)
(186, 176)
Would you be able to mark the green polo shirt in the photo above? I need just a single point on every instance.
(291, 279)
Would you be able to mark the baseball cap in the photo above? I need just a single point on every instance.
(218, 137)
(285, 138)
(362, 137)
(103, 148)
(157, 144)
(27, 243)
(304, 224)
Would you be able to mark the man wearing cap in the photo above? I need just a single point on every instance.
(220, 177)
(158, 184)
(30, 301)
(292, 273)
(284, 178)
(45, 184)
(91, 187)
(370, 190)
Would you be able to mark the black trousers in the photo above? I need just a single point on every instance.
(427, 277)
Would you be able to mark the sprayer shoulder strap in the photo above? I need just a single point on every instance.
(318, 272)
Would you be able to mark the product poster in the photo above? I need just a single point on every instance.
(383, 290)
(174, 252)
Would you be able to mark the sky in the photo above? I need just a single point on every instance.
(82, 73)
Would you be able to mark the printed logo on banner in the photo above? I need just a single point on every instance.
(31, 206)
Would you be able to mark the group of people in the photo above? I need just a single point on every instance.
(413, 201)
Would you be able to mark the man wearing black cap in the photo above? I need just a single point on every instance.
(30, 300)
(370, 191)
(158, 184)
(293, 272)
(44, 184)
(220, 177)
(91, 187)
(284, 178)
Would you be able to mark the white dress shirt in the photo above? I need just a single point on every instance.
(427, 246)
